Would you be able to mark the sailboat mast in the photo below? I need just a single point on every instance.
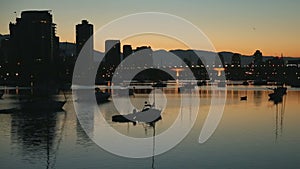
(153, 153)
(154, 97)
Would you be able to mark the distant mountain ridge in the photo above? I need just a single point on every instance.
(69, 49)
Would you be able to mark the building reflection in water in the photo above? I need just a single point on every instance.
(279, 118)
(38, 135)
(257, 98)
(82, 138)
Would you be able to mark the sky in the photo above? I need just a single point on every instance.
(242, 26)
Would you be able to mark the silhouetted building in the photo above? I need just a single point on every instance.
(4, 56)
(258, 58)
(235, 70)
(257, 65)
(84, 32)
(294, 64)
(146, 51)
(236, 60)
(112, 53)
(127, 50)
(293, 73)
(67, 52)
(142, 48)
(274, 70)
(34, 45)
(143, 56)
(67, 49)
(112, 59)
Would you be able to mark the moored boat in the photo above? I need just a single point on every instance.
(243, 98)
(245, 83)
(42, 104)
(148, 114)
(101, 96)
(277, 95)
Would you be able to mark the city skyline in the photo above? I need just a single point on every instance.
(170, 84)
(240, 27)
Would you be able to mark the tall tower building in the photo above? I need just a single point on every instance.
(257, 68)
(84, 32)
(112, 53)
(127, 50)
(34, 44)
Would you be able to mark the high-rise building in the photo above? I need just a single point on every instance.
(258, 58)
(127, 50)
(112, 53)
(4, 49)
(235, 70)
(34, 44)
(257, 68)
(84, 32)
(4, 56)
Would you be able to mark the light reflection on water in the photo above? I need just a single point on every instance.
(252, 134)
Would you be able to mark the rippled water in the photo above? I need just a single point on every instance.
(252, 134)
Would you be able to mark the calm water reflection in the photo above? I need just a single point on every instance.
(252, 134)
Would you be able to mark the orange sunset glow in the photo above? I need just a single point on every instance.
(235, 26)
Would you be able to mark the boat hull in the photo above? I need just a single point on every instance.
(42, 105)
(146, 116)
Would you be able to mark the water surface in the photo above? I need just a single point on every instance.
(252, 134)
